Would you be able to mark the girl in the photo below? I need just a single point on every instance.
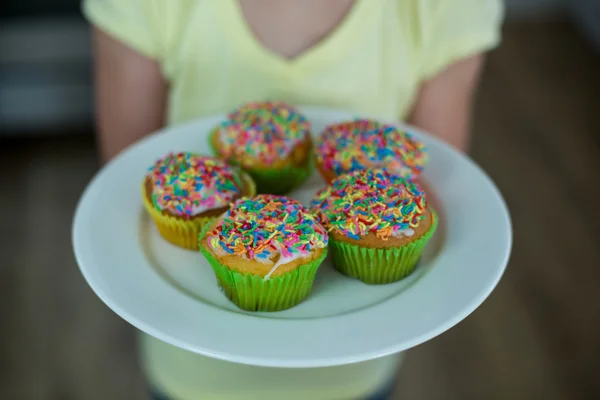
(162, 62)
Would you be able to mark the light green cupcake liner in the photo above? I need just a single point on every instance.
(253, 293)
(280, 181)
(274, 180)
(379, 266)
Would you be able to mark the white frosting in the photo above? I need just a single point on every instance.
(282, 260)
(408, 232)
(202, 207)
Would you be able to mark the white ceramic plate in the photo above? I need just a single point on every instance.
(172, 294)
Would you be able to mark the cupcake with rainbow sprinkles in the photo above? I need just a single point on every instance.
(265, 252)
(362, 144)
(184, 191)
(378, 224)
(269, 140)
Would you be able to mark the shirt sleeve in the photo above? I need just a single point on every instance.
(136, 23)
(451, 30)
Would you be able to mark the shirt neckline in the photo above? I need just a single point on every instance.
(334, 43)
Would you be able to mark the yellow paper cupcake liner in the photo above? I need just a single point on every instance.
(379, 266)
(180, 232)
(254, 293)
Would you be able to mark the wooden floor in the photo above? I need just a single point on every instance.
(537, 337)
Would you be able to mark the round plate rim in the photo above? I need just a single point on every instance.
(258, 350)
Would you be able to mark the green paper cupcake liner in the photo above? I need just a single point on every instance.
(379, 266)
(276, 180)
(280, 181)
(254, 293)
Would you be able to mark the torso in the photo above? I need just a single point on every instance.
(290, 27)
(352, 55)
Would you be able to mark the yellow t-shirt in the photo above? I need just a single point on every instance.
(372, 63)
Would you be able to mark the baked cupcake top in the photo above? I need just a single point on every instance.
(370, 202)
(361, 144)
(268, 229)
(265, 131)
(185, 184)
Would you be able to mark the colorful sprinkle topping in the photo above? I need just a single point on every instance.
(186, 184)
(266, 132)
(361, 144)
(370, 201)
(265, 226)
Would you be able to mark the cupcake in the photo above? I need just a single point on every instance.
(362, 144)
(265, 252)
(378, 224)
(271, 141)
(184, 191)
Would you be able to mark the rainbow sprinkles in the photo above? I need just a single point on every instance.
(185, 184)
(361, 144)
(371, 202)
(268, 229)
(266, 132)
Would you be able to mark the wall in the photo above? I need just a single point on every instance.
(524, 8)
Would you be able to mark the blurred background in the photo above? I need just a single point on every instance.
(536, 132)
